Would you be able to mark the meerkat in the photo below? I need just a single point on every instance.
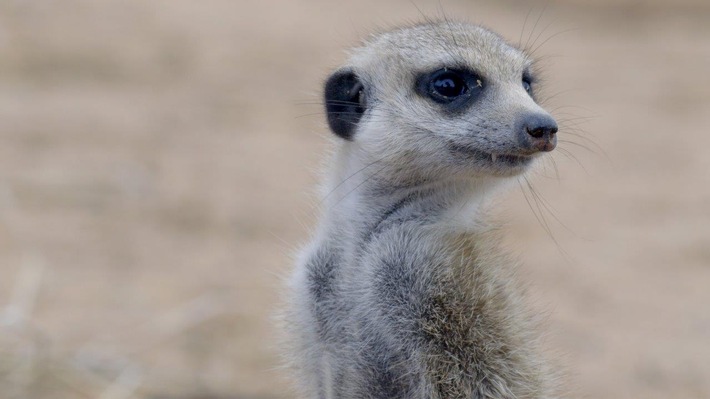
(403, 291)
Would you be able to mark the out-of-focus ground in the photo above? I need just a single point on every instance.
(158, 161)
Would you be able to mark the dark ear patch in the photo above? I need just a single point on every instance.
(344, 103)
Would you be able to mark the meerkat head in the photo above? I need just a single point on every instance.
(440, 100)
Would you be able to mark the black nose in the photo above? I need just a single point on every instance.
(539, 132)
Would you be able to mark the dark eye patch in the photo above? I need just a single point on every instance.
(452, 88)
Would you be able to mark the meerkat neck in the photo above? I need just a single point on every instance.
(363, 194)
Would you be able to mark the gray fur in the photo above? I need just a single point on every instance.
(403, 292)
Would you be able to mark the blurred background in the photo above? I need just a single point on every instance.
(158, 161)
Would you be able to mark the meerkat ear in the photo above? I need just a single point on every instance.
(344, 102)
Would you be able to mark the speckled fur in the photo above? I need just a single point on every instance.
(403, 292)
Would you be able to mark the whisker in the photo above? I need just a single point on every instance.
(553, 165)
(541, 33)
(550, 209)
(433, 35)
(366, 113)
(548, 98)
(358, 186)
(572, 107)
(588, 140)
(533, 51)
(567, 154)
(520, 39)
(537, 199)
(328, 102)
(536, 22)
(578, 145)
(522, 189)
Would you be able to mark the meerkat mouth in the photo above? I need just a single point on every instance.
(510, 159)
(497, 159)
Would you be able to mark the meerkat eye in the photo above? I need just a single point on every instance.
(447, 86)
(527, 85)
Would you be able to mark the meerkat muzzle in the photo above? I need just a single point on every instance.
(539, 133)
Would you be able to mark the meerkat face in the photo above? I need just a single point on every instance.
(444, 99)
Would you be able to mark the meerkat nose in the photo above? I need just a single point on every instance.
(539, 132)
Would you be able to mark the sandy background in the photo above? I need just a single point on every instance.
(158, 160)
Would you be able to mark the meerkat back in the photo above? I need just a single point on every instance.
(403, 292)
